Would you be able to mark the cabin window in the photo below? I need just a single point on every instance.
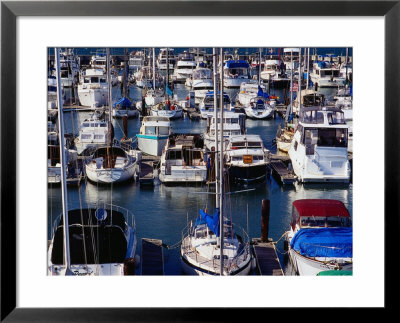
(103, 125)
(86, 80)
(332, 137)
(255, 158)
(236, 158)
(295, 145)
(237, 72)
(254, 144)
(85, 124)
(336, 118)
(174, 154)
(94, 79)
(163, 131)
(86, 136)
(98, 136)
(310, 137)
(103, 80)
(150, 131)
(238, 145)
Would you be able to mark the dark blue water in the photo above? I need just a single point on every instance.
(163, 211)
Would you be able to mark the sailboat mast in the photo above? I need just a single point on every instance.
(308, 65)
(167, 80)
(299, 81)
(67, 256)
(154, 69)
(259, 68)
(289, 110)
(109, 84)
(221, 170)
(216, 159)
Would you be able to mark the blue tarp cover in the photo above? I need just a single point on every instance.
(261, 93)
(123, 102)
(212, 221)
(324, 242)
(237, 64)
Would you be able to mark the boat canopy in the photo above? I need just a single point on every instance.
(320, 207)
(237, 64)
(324, 242)
(123, 103)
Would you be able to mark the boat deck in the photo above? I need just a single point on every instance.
(192, 254)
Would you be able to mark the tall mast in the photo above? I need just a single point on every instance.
(216, 159)
(221, 170)
(299, 81)
(124, 89)
(347, 57)
(308, 65)
(109, 84)
(259, 68)
(67, 256)
(291, 86)
(167, 81)
(154, 69)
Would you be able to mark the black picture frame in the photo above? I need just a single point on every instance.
(10, 10)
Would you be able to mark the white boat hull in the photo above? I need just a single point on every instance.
(111, 175)
(122, 113)
(305, 266)
(234, 82)
(265, 113)
(184, 174)
(152, 145)
(170, 114)
(92, 97)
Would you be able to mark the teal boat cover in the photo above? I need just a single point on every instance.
(324, 242)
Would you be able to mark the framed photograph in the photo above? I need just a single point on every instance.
(234, 43)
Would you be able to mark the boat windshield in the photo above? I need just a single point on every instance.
(334, 73)
(235, 72)
(316, 221)
(325, 137)
(202, 74)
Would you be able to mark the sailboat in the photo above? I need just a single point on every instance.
(93, 239)
(110, 163)
(124, 107)
(211, 245)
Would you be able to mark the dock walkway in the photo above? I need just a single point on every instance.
(281, 171)
(267, 260)
(152, 257)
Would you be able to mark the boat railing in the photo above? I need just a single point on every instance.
(129, 216)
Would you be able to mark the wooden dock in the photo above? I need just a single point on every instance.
(146, 175)
(152, 257)
(266, 258)
(281, 171)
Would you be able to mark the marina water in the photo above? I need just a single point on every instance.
(162, 212)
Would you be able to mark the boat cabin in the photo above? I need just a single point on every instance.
(322, 127)
(236, 69)
(315, 213)
(156, 126)
(326, 70)
(184, 150)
